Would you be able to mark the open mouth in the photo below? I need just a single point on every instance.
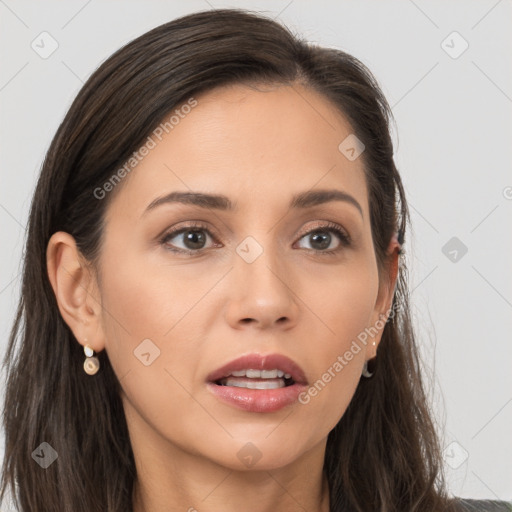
(256, 379)
(258, 383)
(255, 383)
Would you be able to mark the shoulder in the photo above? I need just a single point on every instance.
(467, 505)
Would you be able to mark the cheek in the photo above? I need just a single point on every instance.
(151, 341)
(154, 319)
(344, 304)
(345, 307)
(139, 307)
(144, 298)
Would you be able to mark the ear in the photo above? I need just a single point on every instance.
(387, 287)
(76, 290)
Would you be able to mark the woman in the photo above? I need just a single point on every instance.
(214, 302)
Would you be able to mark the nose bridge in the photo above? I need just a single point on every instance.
(259, 261)
(260, 282)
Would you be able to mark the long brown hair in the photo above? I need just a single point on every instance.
(383, 455)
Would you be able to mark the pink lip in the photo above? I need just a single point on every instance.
(259, 400)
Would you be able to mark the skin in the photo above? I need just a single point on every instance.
(258, 147)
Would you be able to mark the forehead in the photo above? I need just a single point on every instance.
(261, 144)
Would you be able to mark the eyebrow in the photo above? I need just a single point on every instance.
(220, 202)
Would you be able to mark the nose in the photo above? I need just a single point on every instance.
(262, 294)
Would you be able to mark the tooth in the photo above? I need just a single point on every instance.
(260, 374)
(270, 384)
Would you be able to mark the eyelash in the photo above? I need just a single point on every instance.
(344, 238)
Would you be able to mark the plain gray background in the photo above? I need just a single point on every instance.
(453, 148)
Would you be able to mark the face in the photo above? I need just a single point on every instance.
(187, 288)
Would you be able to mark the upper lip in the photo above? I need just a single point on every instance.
(260, 362)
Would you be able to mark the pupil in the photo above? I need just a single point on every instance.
(326, 239)
(194, 239)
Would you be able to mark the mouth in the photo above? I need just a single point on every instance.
(258, 383)
(257, 379)
(256, 371)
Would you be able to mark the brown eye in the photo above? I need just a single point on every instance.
(321, 239)
(193, 238)
(189, 239)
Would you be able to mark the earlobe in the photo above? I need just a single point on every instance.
(75, 289)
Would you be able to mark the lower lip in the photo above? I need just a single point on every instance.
(257, 400)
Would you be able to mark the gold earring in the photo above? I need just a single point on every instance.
(91, 364)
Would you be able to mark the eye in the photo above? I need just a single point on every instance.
(193, 238)
(321, 239)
